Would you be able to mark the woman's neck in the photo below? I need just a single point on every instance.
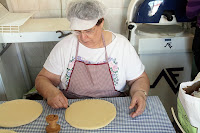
(98, 42)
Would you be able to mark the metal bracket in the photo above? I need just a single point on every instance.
(62, 34)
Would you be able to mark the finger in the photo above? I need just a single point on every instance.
(55, 103)
(64, 102)
(136, 113)
(55, 106)
(139, 110)
(133, 103)
(59, 103)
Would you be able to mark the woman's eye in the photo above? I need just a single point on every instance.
(88, 31)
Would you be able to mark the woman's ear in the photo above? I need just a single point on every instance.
(102, 23)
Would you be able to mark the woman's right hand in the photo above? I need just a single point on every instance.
(57, 100)
(45, 84)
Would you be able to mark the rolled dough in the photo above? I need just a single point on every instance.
(90, 114)
(19, 112)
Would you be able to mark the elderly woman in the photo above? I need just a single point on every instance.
(92, 62)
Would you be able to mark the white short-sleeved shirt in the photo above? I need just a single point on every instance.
(123, 60)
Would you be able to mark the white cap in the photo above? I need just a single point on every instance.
(84, 14)
(80, 24)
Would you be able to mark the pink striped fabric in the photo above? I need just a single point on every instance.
(91, 80)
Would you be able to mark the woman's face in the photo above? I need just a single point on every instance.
(91, 36)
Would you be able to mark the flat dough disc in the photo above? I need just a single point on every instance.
(7, 131)
(19, 112)
(90, 114)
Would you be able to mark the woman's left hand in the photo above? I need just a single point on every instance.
(139, 102)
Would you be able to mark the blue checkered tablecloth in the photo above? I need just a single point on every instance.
(153, 120)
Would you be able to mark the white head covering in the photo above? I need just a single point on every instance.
(84, 14)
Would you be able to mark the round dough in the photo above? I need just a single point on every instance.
(90, 114)
(6, 131)
(19, 112)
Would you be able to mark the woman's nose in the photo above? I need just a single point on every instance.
(83, 35)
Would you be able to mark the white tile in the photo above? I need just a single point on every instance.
(42, 14)
(26, 11)
(55, 13)
(64, 14)
(36, 14)
(49, 5)
(115, 20)
(14, 5)
(113, 3)
(48, 14)
(126, 3)
(64, 4)
(28, 5)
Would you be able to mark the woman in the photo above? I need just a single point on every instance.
(92, 62)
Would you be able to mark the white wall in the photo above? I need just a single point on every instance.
(115, 19)
(36, 53)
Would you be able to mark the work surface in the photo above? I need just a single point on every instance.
(153, 120)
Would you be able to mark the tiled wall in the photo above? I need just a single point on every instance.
(115, 19)
(36, 53)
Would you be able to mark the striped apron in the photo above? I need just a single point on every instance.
(91, 80)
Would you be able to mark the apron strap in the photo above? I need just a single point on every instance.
(77, 46)
(104, 44)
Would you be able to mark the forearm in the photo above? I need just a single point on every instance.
(44, 86)
(138, 97)
(142, 83)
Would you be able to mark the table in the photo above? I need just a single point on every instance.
(153, 120)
